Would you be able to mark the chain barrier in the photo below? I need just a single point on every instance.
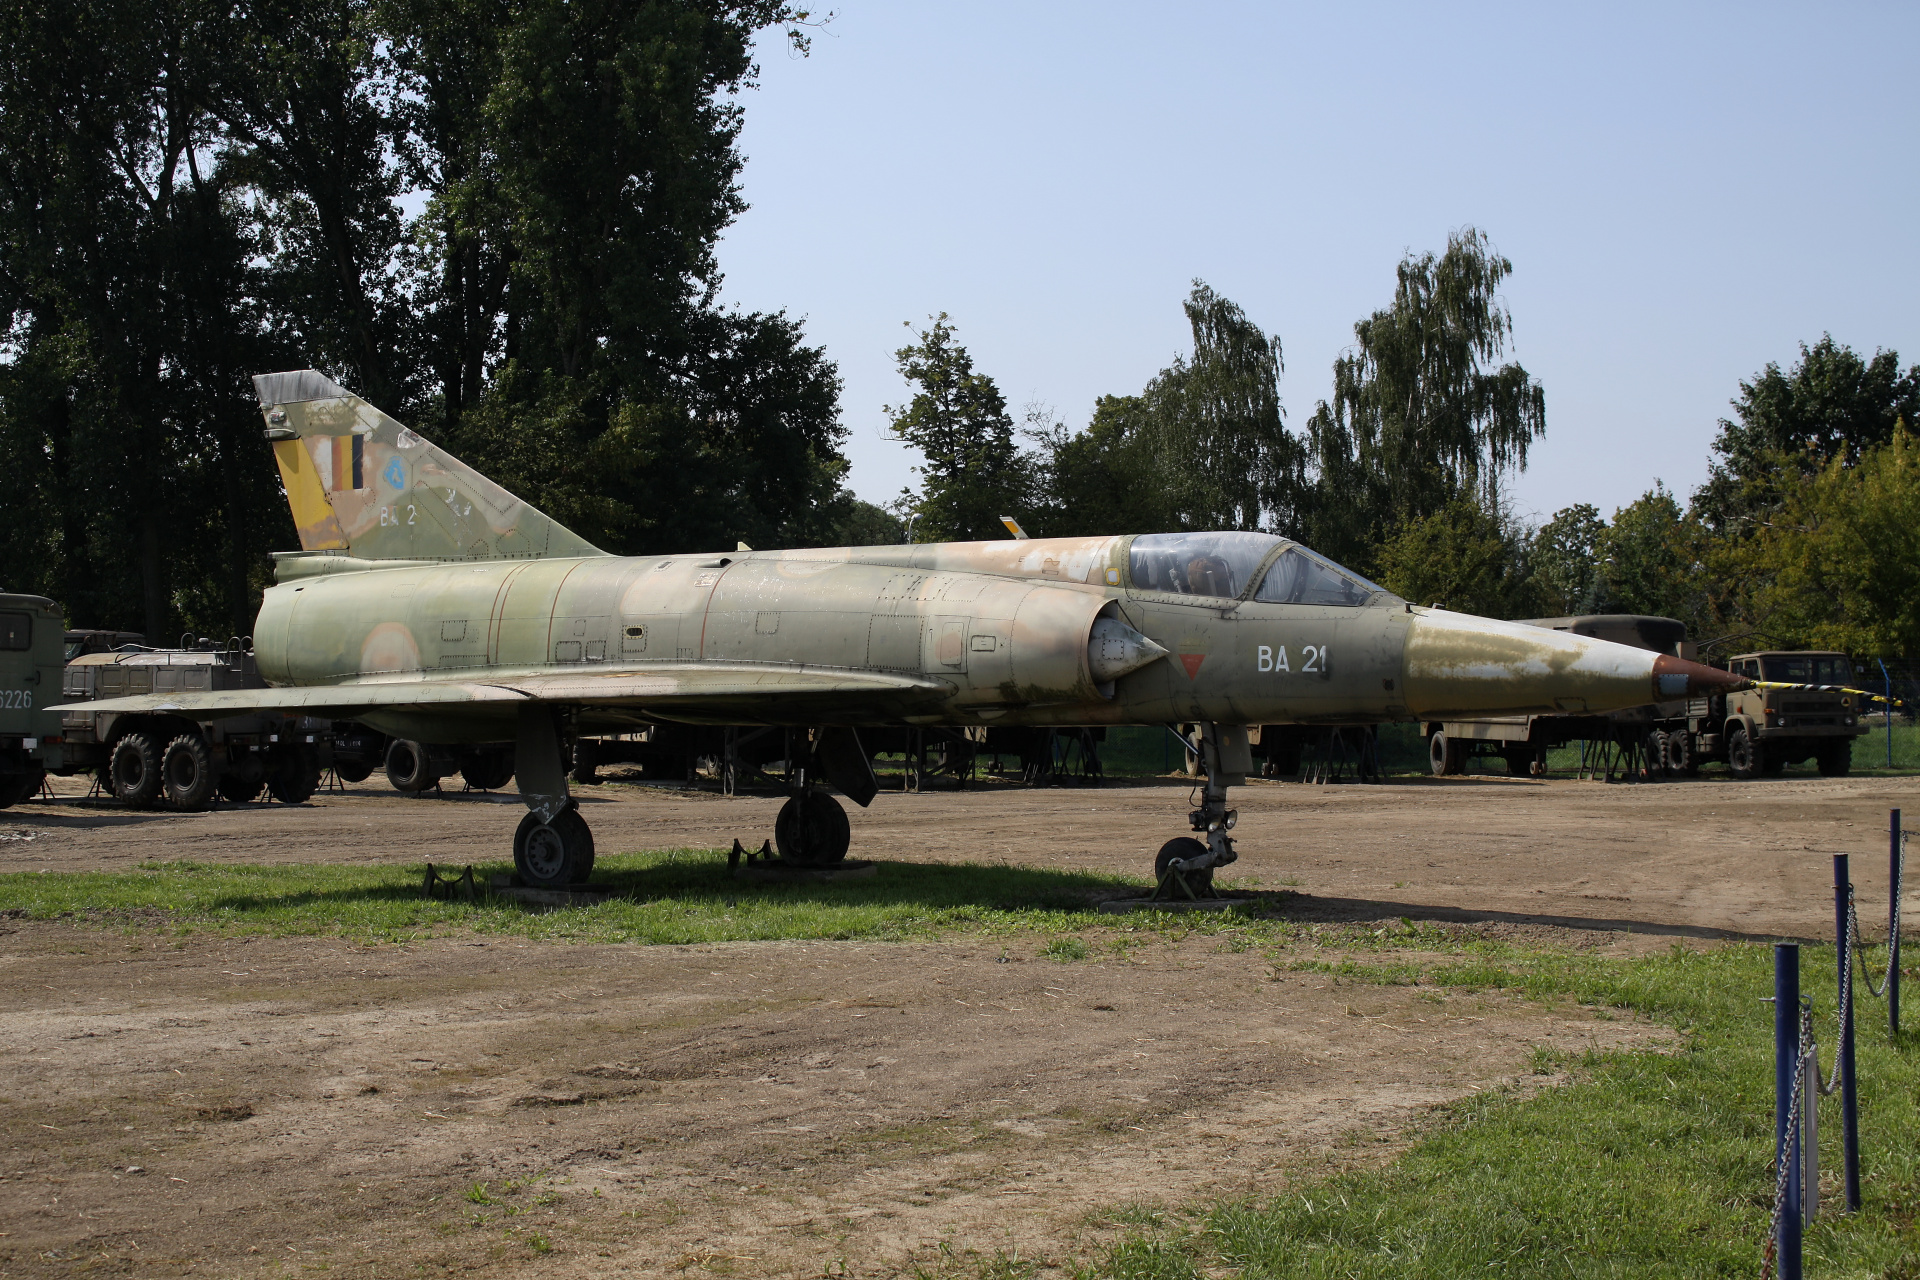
(1807, 1056)
(1787, 1168)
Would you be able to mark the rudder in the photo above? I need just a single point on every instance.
(360, 482)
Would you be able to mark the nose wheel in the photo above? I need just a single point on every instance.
(1184, 866)
(1183, 869)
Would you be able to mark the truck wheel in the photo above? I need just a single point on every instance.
(239, 788)
(1682, 760)
(1445, 756)
(1519, 760)
(1655, 766)
(296, 774)
(1745, 757)
(1836, 758)
(16, 787)
(410, 767)
(355, 770)
(135, 770)
(186, 772)
(487, 770)
(586, 761)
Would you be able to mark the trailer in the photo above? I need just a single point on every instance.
(1754, 732)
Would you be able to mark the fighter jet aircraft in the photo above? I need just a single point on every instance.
(430, 603)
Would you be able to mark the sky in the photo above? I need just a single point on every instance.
(1686, 192)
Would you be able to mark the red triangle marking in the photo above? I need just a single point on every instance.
(1192, 661)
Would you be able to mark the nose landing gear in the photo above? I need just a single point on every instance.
(1184, 866)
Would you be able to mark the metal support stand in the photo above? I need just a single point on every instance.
(1786, 1136)
(1849, 1098)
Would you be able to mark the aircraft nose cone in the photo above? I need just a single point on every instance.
(1460, 667)
(1677, 678)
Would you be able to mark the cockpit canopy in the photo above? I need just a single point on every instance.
(1224, 565)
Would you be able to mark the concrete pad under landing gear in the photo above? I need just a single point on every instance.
(574, 895)
(1121, 906)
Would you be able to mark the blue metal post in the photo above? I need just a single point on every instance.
(1894, 858)
(1849, 1099)
(1786, 1145)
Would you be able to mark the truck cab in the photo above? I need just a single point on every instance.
(1764, 729)
(32, 652)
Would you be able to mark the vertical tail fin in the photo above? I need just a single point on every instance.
(360, 482)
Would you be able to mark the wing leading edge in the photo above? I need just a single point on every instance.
(671, 689)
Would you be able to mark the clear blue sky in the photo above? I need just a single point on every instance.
(1686, 192)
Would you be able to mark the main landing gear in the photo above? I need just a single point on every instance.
(1184, 866)
(553, 847)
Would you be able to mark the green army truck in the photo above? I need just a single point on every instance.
(144, 758)
(32, 650)
(1756, 731)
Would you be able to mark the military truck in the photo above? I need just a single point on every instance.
(31, 655)
(142, 758)
(1754, 732)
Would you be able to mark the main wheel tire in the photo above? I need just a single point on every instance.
(295, 774)
(186, 772)
(410, 767)
(1835, 759)
(1179, 848)
(1745, 757)
(1519, 761)
(553, 855)
(812, 828)
(18, 787)
(134, 769)
(487, 770)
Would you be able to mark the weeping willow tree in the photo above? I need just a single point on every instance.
(1203, 446)
(1423, 413)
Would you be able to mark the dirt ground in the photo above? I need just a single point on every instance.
(281, 1106)
(1707, 858)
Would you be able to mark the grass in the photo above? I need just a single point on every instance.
(1646, 1164)
(1642, 1163)
(678, 896)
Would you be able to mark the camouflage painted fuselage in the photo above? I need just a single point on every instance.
(433, 604)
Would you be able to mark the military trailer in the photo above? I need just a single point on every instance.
(1754, 732)
(31, 653)
(142, 758)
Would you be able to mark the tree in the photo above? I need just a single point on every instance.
(1462, 557)
(973, 470)
(1565, 556)
(190, 194)
(1830, 407)
(1215, 421)
(1646, 562)
(1844, 555)
(1107, 478)
(1420, 415)
(1203, 446)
